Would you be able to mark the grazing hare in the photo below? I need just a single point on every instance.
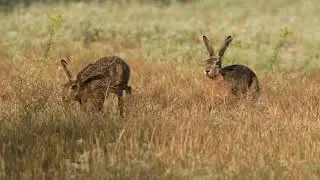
(242, 79)
(95, 81)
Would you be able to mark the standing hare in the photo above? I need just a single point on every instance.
(242, 79)
(95, 81)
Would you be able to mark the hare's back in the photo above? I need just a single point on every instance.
(111, 61)
(88, 72)
(238, 72)
(116, 68)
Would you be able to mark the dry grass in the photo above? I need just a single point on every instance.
(178, 125)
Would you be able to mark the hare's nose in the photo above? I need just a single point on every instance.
(207, 70)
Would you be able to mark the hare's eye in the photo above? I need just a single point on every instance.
(74, 86)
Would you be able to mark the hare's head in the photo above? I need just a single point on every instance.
(70, 88)
(213, 63)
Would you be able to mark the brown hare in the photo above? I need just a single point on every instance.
(242, 79)
(95, 81)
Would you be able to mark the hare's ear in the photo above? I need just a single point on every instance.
(91, 78)
(224, 46)
(66, 69)
(208, 46)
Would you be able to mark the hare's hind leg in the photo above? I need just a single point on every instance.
(128, 90)
(120, 105)
(120, 102)
(254, 90)
(253, 95)
(95, 102)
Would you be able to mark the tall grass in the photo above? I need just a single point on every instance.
(177, 126)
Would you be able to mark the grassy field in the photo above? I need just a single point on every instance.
(177, 125)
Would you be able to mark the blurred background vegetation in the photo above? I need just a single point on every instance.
(8, 4)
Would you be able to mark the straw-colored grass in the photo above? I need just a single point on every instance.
(178, 124)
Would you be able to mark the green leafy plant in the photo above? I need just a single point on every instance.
(285, 33)
(56, 21)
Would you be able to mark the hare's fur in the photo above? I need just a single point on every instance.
(95, 81)
(242, 79)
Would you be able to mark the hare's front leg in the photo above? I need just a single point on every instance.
(93, 102)
(99, 99)
(128, 90)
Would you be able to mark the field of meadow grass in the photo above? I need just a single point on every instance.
(177, 123)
